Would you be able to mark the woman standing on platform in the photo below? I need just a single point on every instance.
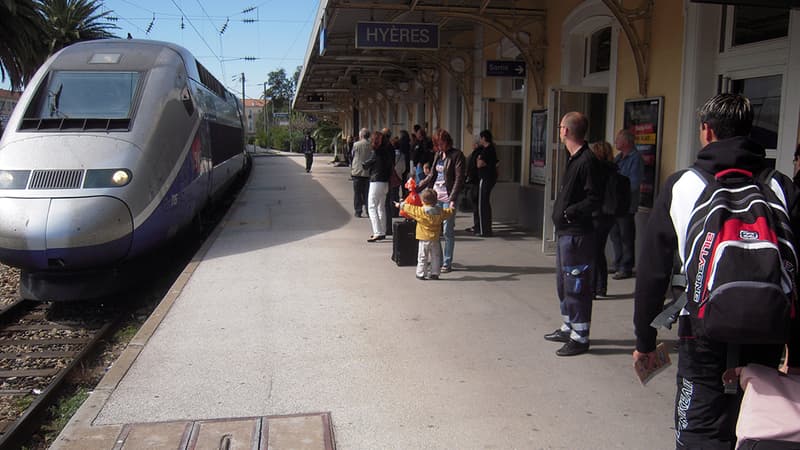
(447, 179)
(380, 164)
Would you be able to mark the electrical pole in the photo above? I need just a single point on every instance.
(266, 130)
(243, 103)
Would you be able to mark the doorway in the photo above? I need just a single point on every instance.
(504, 118)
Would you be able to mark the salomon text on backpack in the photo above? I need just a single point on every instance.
(739, 259)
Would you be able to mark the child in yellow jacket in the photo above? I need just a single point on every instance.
(429, 219)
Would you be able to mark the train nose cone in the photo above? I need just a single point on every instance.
(64, 233)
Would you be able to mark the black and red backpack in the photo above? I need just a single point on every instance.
(740, 260)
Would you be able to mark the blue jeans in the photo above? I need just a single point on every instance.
(449, 234)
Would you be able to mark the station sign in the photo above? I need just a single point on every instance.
(505, 68)
(314, 98)
(392, 35)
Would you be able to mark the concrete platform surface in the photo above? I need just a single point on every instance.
(289, 311)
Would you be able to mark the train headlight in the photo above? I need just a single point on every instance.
(14, 179)
(106, 178)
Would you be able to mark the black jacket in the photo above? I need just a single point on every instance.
(380, 164)
(487, 173)
(580, 195)
(660, 242)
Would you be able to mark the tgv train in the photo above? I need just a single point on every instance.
(113, 148)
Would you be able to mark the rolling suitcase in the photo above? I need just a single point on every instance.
(404, 243)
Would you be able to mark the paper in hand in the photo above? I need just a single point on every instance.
(662, 362)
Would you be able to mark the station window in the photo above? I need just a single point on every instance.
(765, 97)
(598, 50)
(754, 24)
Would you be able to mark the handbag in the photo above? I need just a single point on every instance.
(769, 417)
(394, 179)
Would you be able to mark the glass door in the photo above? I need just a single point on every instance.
(503, 117)
(590, 101)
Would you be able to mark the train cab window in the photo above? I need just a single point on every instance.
(87, 95)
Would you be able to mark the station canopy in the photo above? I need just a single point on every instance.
(382, 49)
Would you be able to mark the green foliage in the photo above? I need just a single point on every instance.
(32, 30)
(21, 47)
(280, 88)
(70, 21)
(63, 411)
(125, 334)
(325, 134)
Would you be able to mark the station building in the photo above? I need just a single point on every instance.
(515, 67)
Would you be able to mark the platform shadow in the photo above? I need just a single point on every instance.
(623, 346)
(505, 273)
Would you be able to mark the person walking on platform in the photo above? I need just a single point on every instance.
(577, 200)
(623, 234)
(448, 172)
(483, 176)
(360, 175)
(309, 147)
(705, 416)
(429, 219)
(379, 164)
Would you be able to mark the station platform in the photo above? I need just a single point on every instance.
(290, 331)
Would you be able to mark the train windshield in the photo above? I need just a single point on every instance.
(89, 95)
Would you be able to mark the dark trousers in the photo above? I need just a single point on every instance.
(705, 417)
(360, 191)
(574, 279)
(391, 211)
(482, 207)
(623, 238)
(602, 226)
(309, 161)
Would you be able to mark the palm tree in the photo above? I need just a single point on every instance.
(20, 40)
(69, 21)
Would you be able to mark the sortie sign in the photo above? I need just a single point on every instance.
(419, 36)
(505, 68)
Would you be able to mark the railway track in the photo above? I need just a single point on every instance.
(40, 345)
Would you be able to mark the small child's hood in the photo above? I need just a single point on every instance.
(432, 210)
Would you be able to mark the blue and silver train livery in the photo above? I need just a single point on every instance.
(114, 147)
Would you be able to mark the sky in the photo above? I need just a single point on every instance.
(277, 37)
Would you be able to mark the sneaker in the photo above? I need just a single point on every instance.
(573, 348)
(470, 230)
(622, 275)
(420, 277)
(602, 296)
(446, 269)
(558, 336)
(434, 277)
(358, 214)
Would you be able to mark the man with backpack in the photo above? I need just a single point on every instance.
(732, 221)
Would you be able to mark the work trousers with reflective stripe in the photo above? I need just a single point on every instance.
(574, 283)
(705, 417)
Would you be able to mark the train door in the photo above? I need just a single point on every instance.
(590, 101)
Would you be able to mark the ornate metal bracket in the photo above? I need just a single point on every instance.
(637, 23)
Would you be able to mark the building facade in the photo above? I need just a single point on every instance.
(8, 100)
(514, 67)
